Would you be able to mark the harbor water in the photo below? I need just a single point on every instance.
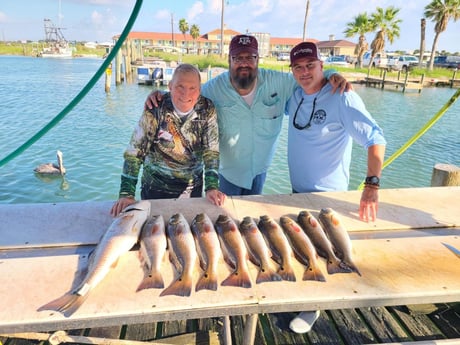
(94, 134)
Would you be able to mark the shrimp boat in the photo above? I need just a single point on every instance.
(57, 45)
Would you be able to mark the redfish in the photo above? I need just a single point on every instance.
(183, 255)
(119, 238)
(303, 248)
(338, 235)
(152, 248)
(234, 251)
(258, 250)
(279, 245)
(323, 246)
(209, 252)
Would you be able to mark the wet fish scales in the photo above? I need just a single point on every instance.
(209, 252)
(258, 251)
(338, 235)
(152, 248)
(183, 255)
(235, 252)
(303, 248)
(119, 238)
(323, 245)
(279, 244)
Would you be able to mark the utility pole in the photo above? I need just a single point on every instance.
(172, 29)
(305, 20)
(222, 30)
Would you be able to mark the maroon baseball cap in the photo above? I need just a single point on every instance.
(304, 50)
(243, 43)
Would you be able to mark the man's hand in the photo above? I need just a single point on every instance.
(120, 205)
(339, 83)
(153, 99)
(215, 197)
(369, 203)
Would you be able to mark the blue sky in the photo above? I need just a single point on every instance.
(99, 20)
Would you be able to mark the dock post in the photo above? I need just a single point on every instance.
(445, 175)
(453, 79)
(108, 78)
(384, 77)
(405, 82)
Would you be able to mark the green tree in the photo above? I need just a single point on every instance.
(440, 12)
(388, 24)
(360, 25)
(195, 33)
(183, 27)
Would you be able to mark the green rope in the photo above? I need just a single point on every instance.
(82, 93)
(417, 135)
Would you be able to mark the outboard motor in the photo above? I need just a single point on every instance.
(157, 74)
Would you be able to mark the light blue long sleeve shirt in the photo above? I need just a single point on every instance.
(248, 134)
(319, 157)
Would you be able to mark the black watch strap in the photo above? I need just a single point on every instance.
(372, 181)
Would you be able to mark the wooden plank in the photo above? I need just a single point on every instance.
(141, 332)
(447, 319)
(324, 331)
(383, 325)
(419, 325)
(276, 328)
(82, 223)
(351, 327)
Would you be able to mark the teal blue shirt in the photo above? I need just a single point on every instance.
(248, 134)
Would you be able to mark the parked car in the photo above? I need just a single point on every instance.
(447, 62)
(283, 57)
(403, 63)
(380, 60)
(336, 60)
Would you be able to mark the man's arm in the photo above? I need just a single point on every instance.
(368, 206)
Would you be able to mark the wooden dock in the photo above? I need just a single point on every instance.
(401, 82)
(401, 258)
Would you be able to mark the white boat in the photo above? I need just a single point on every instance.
(154, 72)
(57, 45)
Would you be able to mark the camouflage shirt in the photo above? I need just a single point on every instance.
(173, 150)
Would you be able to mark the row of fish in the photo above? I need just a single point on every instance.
(206, 243)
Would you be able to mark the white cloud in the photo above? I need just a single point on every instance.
(195, 10)
(3, 17)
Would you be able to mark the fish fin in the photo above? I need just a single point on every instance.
(153, 281)
(267, 274)
(313, 273)
(351, 265)
(337, 266)
(180, 287)
(238, 278)
(208, 281)
(287, 273)
(66, 304)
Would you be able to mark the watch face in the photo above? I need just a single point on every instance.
(373, 180)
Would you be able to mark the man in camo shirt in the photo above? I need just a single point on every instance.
(177, 144)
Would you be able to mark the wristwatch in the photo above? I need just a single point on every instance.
(372, 181)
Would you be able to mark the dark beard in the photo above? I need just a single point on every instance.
(244, 82)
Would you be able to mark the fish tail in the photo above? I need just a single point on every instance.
(287, 273)
(351, 265)
(180, 287)
(238, 278)
(208, 281)
(313, 273)
(66, 304)
(266, 274)
(152, 281)
(337, 266)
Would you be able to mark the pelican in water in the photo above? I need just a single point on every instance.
(52, 168)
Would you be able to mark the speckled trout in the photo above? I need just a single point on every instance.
(234, 251)
(323, 246)
(279, 245)
(303, 248)
(259, 254)
(183, 255)
(338, 235)
(209, 252)
(152, 249)
(119, 238)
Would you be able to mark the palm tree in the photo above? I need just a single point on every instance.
(386, 21)
(440, 12)
(305, 20)
(361, 25)
(195, 33)
(183, 27)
